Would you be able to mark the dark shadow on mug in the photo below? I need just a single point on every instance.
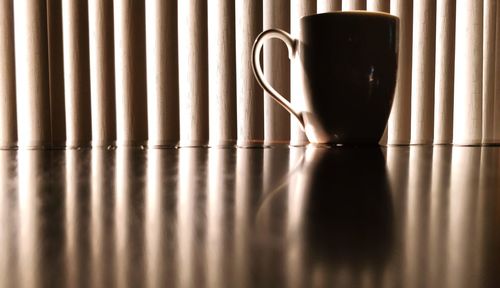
(348, 214)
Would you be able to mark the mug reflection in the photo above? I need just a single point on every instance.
(347, 216)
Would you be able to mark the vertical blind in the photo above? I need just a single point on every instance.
(168, 73)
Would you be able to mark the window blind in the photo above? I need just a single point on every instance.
(467, 114)
(348, 5)
(399, 124)
(422, 104)
(444, 73)
(193, 72)
(102, 73)
(496, 116)
(162, 73)
(32, 81)
(76, 72)
(222, 73)
(170, 73)
(489, 45)
(8, 123)
(329, 5)
(56, 73)
(130, 69)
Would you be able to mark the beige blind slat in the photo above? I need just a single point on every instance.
(277, 72)
(378, 5)
(422, 99)
(32, 83)
(399, 121)
(222, 72)
(162, 72)
(467, 112)
(298, 9)
(329, 5)
(8, 125)
(193, 72)
(76, 73)
(445, 51)
(250, 99)
(348, 5)
(489, 43)
(102, 72)
(56, 72)
(130, 68)
(496, 133)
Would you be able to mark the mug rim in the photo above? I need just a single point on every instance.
(353, 13)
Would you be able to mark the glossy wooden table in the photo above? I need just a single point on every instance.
(416, 216)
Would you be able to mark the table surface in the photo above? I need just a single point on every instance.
(417, 216)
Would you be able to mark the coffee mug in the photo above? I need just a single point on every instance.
(348, 66)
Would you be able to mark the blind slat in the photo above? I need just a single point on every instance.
(489, 43)
(467, 112)
(422, 99)
(298, 9)
(102, 72)
(277, 72)
(8, 125)
(193, 72)
(222, 73)
(32, 83)
(130, 68)
(162, 72)
(348, 5)
(445, 51)
(398, 126)
(496, 133)
(56, 73)
(76, 73)
(329, 5)
(378, 5)
(250, 99)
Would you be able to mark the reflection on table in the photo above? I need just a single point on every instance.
(282, 217)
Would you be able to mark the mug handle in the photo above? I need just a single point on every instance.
(291, 44)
